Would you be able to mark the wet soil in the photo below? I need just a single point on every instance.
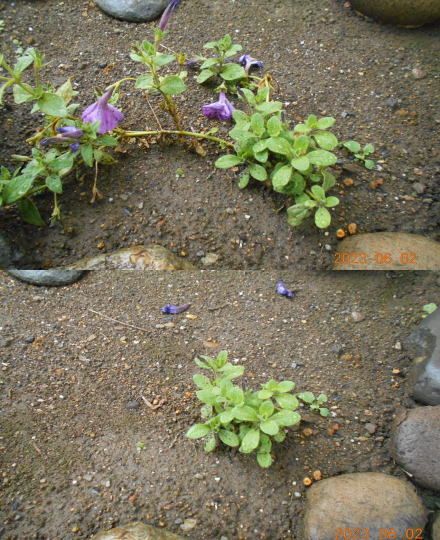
(72, 380)
(325, 59)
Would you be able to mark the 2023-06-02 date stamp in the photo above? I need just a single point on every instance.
(385, 533)
(380, 258)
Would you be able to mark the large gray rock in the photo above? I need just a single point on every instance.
(387, 251)
(416, 445)
(401, 12)
(133, 10)
(372, 501)
(424, 343)
(47, 278)
(136, 531)
(151, 257)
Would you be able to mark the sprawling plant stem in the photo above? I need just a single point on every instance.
(221, 142)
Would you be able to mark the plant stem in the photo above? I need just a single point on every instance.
(217, 140)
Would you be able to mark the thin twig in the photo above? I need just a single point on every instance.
(154, 114)
(119, 322)
(150, 405)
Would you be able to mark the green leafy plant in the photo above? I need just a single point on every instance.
(294, 161)
(241, 418)
(361, 154)
(428, 309)
(219, 68)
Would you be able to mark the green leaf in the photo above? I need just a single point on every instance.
(369, 164)
(250, 441)
(197, 431)
(262, 157)
(207, 396)
(330, 202)
(87, 154)
(266, 408)
(287, 401)
(329, 181)
(62, 164)
(23, 63)
(323, 411)
(307, 397)
(326, 140)
(323, 218)
(209, 62)
(279, 146)
(318, 192)
(260, 146)
(274, 126)
(163, 59)
(286, 418)
(54, 183)
(301, 128)
(257, 124)
(258, 172)
(285, 386)
(244, 180)
(229, 438)
(270, 427)
(264, 394)
(322, 158)
(201, 380)
(232, 372)
(66, 91)
(301, 164)
(52, 104)
(22, 93)
(232, 72)
(245, 413)
(368, 149)
(312, 121)
(269, 107)
(226, 417)
(301, 144)
(264, 460)
(204, 76)
(144, 82)
(228, 161)
(282, 177)
(30, 213)
(325, 122)
(17, 188)
(172, 85)
(353, 146)
(210, 444)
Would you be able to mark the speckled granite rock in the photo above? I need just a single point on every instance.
(152, 257)
(401, 12)
(136, 531)
(133, 10)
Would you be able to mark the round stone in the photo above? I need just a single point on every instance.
(133, 10)
(416, 445)
(47, 278)
(362, 501)
(401, 12)
(136, 531)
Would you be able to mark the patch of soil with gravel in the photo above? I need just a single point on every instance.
(72, 383)
(325, 59)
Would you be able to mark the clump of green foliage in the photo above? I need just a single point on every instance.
(242, 418)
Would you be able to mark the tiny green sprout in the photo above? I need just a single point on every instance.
(140, 446)
(2, 26)
(241, 418)
(428, 309)
(361, 154)
(180, 173)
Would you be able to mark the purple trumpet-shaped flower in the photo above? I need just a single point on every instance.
(171, 309)
(70, 131)
(101, 111)
(249, 63)
(221, 109)
(66, 135)
(283, 290)
(166, 15)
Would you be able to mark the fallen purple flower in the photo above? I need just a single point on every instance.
(101, 111)
(171, 309)
(166, 15)
(283, 290)
(248, 63)
(221, 109)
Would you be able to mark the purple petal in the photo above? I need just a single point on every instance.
(283, 290)
(101, 111)
(248, 62)
(166, 15)
(74, 147)
(71, 131)
(171, 309)
(221, 109)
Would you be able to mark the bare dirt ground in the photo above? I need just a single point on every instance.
(326, 60)
(72, 413)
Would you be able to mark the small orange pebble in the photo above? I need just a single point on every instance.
(377, 182)
(307, 432)
(307, 481)
(340, 233)
(317, 475)
(352, 228)
(333, 428)
(100, 245)
(347, 357)
(191, 316)
(348, 182)
(396, 371)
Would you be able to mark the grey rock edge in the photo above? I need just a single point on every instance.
(415, 445)
(401, 12)
(133, 10)
(424, 345)
(47, 278)
(136, 531)
(370, 501)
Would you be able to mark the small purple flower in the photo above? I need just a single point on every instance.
(66, 135)
(283, 290)
(101, 111)
(249, 63)
(221, 109)
(171, 309)
(74, 147)
(70, 131)
(166, 15)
